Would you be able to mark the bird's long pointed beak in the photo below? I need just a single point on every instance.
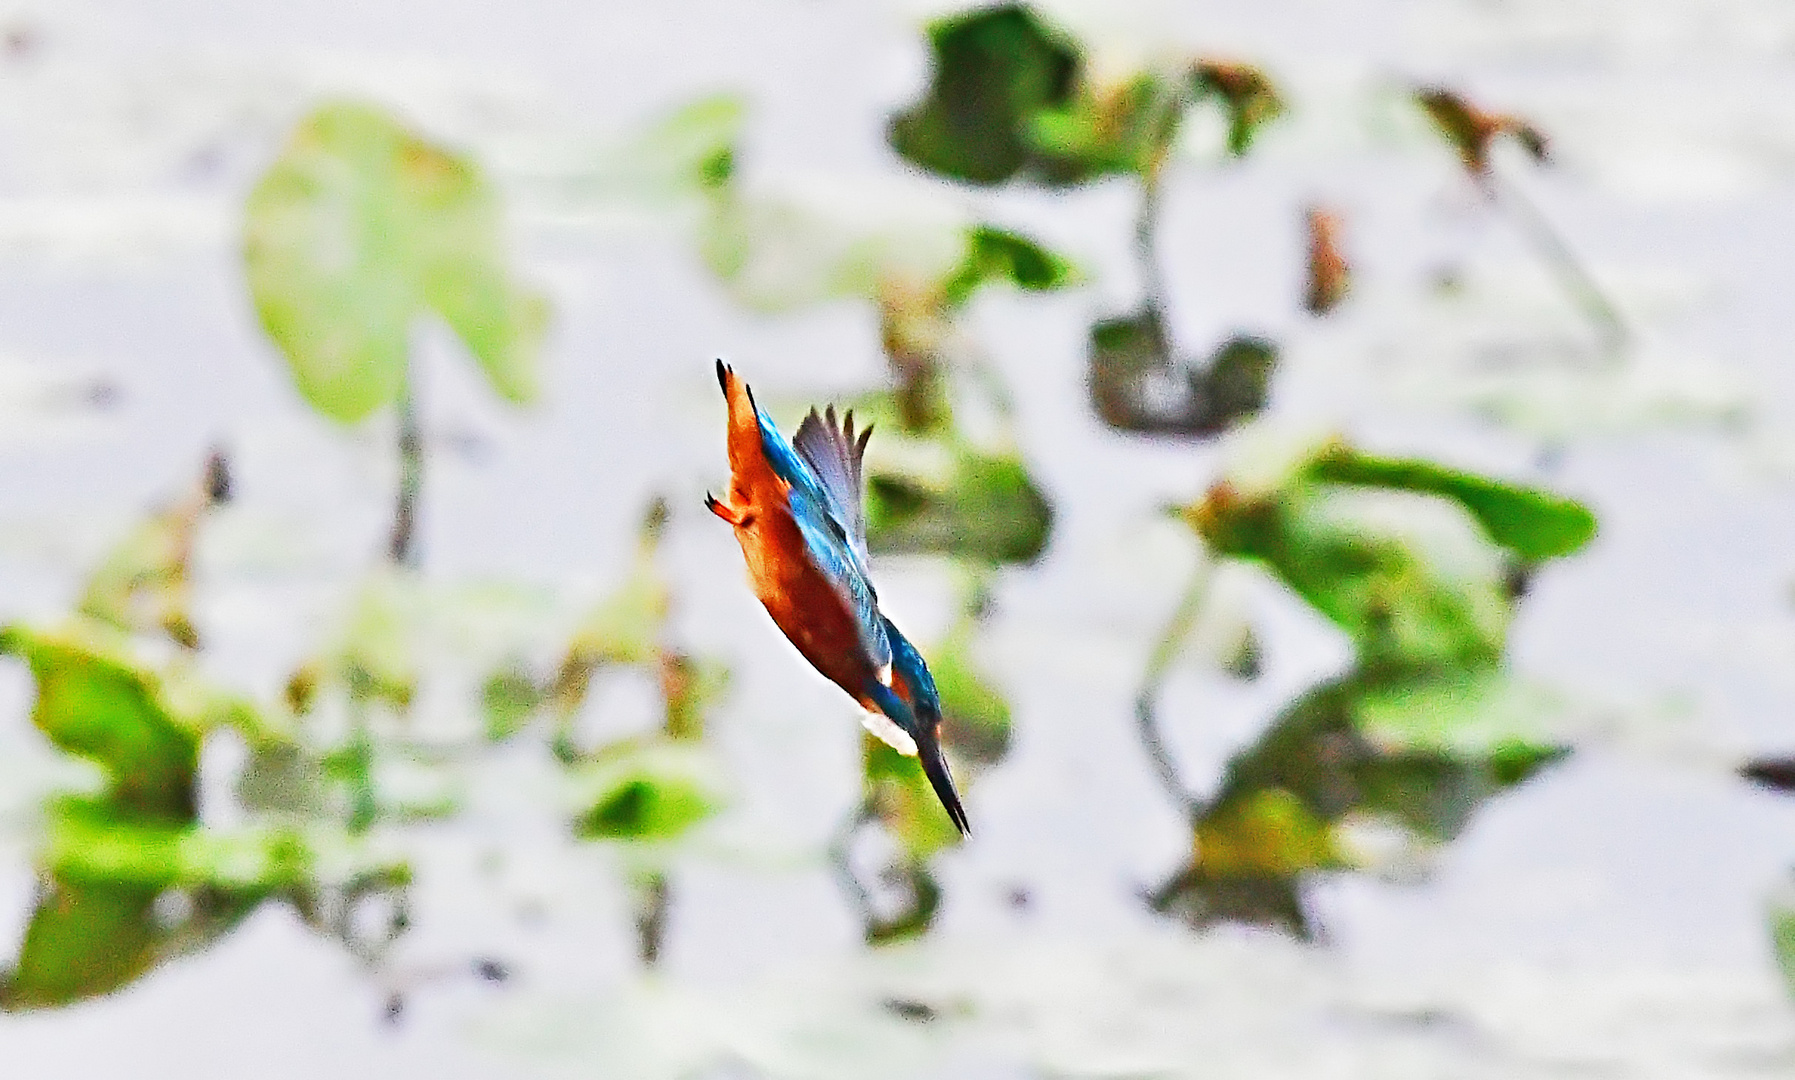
(934, 766)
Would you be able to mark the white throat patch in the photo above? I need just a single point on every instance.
(888, 732)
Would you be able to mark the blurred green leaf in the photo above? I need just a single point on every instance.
(1471, 713)
(980, 506)
(95, 702)
(1401, 610)
(356, 230)
(83, 940)
(654, 791)
(994, 254)
(902, 800)
(689, 687)
(693, 145)
(993, 70)
(1266, 833)
(975, 718)
(1125, 129)
(1535, 525)
(509, 698)
(1781, 917)
(90, 841)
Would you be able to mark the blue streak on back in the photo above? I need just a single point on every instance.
(826, 539)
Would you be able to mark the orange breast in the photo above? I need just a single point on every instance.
(803, 603)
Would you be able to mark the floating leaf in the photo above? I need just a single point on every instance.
(1473, 713)
(95, 702)
(655, 791)
(1137, 385)
(1535, 525)
(994, 254)
(1269, 833)
(359, 228)
(994, 69)
(1400, 609)
(1287, 804)
(83, 941)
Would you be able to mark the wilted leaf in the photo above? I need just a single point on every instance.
(356, 230)
(689, 687)
(1471, 130)
(1246, 93)
(994, 69)
(985, 507)
(143, 584)
(1535, 525)
(1329, 275)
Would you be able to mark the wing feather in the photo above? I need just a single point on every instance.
(835, 454)
(828, 536)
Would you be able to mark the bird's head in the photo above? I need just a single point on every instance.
(913, 703)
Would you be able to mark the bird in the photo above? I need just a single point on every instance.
(799, 512)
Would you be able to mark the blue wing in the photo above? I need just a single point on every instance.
(834, 454)
(827, 533)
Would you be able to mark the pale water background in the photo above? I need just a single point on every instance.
(1605, 919)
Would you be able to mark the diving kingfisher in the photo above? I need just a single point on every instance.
(799, 513)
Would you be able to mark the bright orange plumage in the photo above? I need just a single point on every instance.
(798, 515)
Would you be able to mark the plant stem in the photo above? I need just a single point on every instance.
(1146, 247)
(402, 550)
(1146, 705)
(1571, 273)
(652, 898)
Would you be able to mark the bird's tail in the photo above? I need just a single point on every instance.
(934, 766)
(744, 420)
